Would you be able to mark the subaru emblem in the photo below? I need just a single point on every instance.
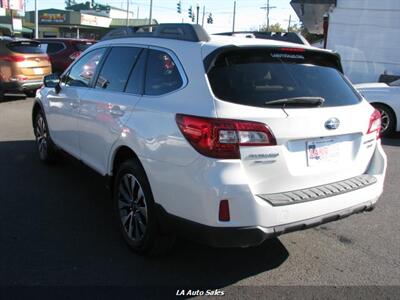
(332, 123)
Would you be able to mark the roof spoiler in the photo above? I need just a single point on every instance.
(175, 31)
(291, 37)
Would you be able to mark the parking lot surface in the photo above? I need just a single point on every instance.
(56, 228)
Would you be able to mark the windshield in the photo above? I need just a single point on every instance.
(255, 77)
(25, 47)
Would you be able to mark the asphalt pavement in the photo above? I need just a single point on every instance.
(57, 229)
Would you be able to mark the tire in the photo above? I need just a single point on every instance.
(31, 93)
(45, 146)
(136, 212)
(1, 92)
(388, 119)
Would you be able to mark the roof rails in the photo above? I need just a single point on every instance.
(176, 31)
(291, 37)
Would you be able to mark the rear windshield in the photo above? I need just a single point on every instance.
(257, 76)
(83, 46)
(25, 47)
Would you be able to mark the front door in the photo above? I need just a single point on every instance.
(64, 106)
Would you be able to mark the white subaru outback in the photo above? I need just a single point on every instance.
(226, 140)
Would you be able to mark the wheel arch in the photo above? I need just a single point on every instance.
(119, 155)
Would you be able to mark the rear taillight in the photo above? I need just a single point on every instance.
(375, 123)
(221, 138)
(12, 58)
(75, 55)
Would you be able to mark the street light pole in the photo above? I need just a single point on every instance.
(234, 16)
(151, 12)
(127, 12)
(36, 21)
(204, 12)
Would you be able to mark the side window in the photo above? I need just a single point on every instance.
(162, 74)
(83, 70)
(135, 82)
(54, 47)
(116, 69)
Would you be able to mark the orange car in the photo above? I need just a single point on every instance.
(23, 64)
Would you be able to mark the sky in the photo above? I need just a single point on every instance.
(249, 15)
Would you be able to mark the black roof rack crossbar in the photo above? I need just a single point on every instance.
(176, 31)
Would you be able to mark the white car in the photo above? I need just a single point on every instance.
(386, 99)
(225, 140)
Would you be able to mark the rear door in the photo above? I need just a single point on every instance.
(55, 51)
(317, 143)
(106, 107)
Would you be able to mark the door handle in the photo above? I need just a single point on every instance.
(116, 111)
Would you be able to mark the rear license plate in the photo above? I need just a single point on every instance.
(322, 151)
(38, 71)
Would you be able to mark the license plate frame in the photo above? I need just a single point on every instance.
(38, 71)
(324, 151)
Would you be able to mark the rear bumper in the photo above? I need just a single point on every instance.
(21, 86)
(247, 236)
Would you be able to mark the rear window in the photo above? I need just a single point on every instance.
(256, 76)
(25, 47)
(83, 46)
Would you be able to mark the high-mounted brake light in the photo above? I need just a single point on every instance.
(375, 124)
(293, 49)
(221, 138)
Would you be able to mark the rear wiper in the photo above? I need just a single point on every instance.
(297, 101)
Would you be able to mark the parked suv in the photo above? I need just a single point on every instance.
(23, 64)
(225, 140)
(63, 51)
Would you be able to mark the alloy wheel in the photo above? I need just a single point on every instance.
(385, 120)
(132, 207)
(41, 137)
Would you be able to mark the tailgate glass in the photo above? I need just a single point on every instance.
(257, 76)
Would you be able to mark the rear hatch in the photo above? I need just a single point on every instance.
(31, 61)
(319, 121)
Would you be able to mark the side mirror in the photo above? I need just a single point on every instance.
(52, 81)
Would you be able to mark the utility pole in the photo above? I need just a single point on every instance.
(267, 8)
(36, 21)
(234, 16)
(204, 12)
(127, 12)
(290, 20)
(197, 14)
(137, 14)
(151, 13)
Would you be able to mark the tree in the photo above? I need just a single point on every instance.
(273, 28)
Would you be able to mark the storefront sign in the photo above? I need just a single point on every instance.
(17, 24)
(52, 18)
(98, 21)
